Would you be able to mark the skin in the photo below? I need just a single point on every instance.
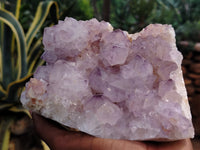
(58, 138)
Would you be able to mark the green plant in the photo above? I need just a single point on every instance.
(19, 55)
(78, 9)
(133, 15)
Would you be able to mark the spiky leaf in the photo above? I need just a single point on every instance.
(10, 20)
(41, 14)
(5, 132)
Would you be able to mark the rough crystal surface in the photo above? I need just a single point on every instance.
(112, 84)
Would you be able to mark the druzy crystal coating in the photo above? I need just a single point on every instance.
(112, 84)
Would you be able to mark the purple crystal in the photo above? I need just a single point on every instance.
(114, 48)
(112, 84)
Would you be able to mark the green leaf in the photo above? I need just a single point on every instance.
(9, 19)
(15, 87)
(8, 43)
(34, 56)
(20, 109)
(37, 45)
(6, 55)
(17, 5)
(2, 91)
(1, 40)
(42, 12)
(17, 11)
(6, 122)
(12, 5)
(45, 146)
(4, 106)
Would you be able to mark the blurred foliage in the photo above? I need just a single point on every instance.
(20, 51)
(79, 9)
(189, 31)
(130, 15)
(133, 15)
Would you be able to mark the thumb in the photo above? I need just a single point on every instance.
(58, 138)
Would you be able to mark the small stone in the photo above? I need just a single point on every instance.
(194, 76)
(189, 98)
(188, 55)
(184, 70)
(184, 43)
(197, 89)
(197, 82)
(195, 105)
(190, 89)
(195, 67)
(197, 47)
(112, 84)
(187, 81)
(197, 58)
(186, 62)
(196, 122)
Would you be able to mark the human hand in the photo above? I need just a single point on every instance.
(58, 138)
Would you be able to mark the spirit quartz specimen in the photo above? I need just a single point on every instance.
(112, 84)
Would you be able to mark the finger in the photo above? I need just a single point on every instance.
(44, 127)
(59, 138)
(176, 145)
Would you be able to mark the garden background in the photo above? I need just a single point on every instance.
(21, 27)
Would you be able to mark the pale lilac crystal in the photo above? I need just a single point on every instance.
(112, 84)
(114, 47)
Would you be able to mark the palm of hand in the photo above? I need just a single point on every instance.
(60, 139)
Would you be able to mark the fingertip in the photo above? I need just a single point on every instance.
(57, 137)
(184, 144)
(38, 120)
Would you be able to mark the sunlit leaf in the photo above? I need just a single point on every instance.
(14, 87)
(5, 132)
(34, 55)
(41, 14)
(9, 19)
(19, 109)
(5, 106)
(45, 146)
(16, 13)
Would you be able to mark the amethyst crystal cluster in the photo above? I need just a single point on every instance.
(112, 84)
